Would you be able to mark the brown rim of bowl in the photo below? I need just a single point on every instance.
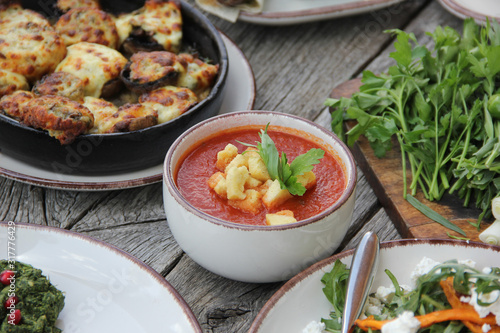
(174, 191)
(290, 284)
(454, 8)
(214, 92)
(154, 274)
(321, 10)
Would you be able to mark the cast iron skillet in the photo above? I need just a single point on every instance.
(120, 152)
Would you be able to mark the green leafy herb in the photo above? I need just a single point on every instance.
(456, 237)
(433, 215)
(442, 105)
(335, 291)
(278, 166)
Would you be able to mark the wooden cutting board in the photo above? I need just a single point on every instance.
(385, 175)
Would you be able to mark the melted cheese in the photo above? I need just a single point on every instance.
(123, 27)
(15, 14)
(151, 66)
(95, 64)
(162, 19)
(169, 102)
(65, 5)
(13, 104)
(10, 82)
(61, 84)
(30, 49)
(198, 76)
(102, 110)
(87, 25)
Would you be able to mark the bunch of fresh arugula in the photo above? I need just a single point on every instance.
(442, 104)
(427, 297)
(278, 166)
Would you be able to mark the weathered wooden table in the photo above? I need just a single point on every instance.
(295, 69)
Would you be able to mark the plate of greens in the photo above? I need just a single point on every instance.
(310, 296)
(104, 288)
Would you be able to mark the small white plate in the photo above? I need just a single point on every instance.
(282, 12)
(479, 10)
(239, 94)
(301, 299)
(106, 289)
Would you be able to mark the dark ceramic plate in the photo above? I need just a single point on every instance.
(120, 152)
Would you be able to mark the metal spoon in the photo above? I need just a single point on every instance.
(363, 268)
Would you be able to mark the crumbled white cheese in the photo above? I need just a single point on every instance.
(492, 297)
(405, 323)
(314, 327)
(469, 262)
(373, 306)
(465, 299)
(423, 267)
(486, 328)
(385, 293)
(487, 270)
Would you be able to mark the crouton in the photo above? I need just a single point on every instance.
(251, 204)
(238, 161)
(264, 187)
(235, 183)
(217, 182)
(308, 179)
(252, 182)
(256, 166)
(214, 179)
(280, 218)
(275, 196)
(224, 157)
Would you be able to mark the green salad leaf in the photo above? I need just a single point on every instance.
(278, 166)
(427, 297)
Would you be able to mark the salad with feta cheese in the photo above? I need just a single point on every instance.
(449, 297)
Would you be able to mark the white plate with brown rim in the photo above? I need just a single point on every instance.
(106, 289)
(283, 12)
(301, 299)
(239, 94)
(478, 10)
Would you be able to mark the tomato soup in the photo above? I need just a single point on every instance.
(198, 165)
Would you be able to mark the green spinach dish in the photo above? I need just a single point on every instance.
(29, 303)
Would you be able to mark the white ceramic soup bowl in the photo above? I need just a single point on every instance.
(251, 253)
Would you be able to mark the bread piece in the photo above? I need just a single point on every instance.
(224, 157)
(275, 196)
(256, 166)
(280, 218)
(235, 182)
(251, 204)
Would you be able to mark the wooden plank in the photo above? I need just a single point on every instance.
(385, 175)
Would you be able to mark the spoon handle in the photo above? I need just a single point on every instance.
(361, 275)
